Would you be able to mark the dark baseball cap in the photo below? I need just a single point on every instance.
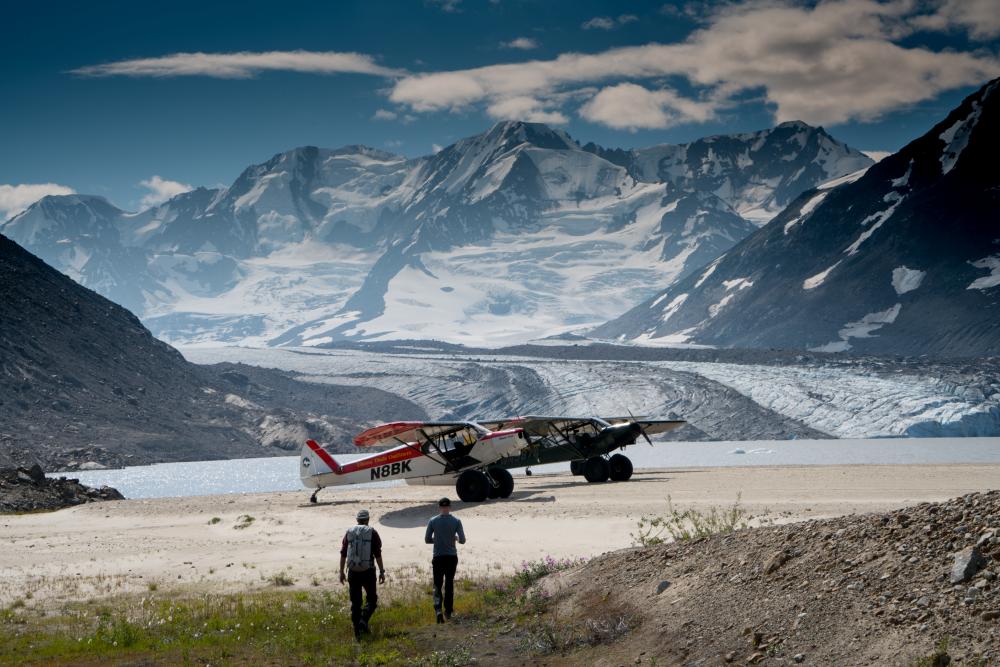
(444, 502)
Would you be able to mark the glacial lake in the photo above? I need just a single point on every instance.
(282, 473)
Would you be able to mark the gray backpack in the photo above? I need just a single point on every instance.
(359, 548)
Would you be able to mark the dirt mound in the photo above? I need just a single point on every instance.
(877, 589)
(28, 490)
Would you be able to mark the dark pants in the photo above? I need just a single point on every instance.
(357, 581)
(444, 573)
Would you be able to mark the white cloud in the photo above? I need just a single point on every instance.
(16, 198)
(160, 190)
(384, 114)
(522, 43)
(599, 23)
(524, 108)
(629, 106)
(608, 22)
(824, 64)
(981, 18)
(241, 65)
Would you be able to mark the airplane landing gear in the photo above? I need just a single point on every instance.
(596, 469)
(504, 483)
(312, 498)
(620, 467)
(472, 486)
(576, 467)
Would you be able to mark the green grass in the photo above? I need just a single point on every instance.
(296, 626)
(288, 627)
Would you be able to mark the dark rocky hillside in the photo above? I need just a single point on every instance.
(82, 382)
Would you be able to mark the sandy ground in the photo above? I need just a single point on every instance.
(125, 546)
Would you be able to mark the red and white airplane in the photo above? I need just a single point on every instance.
(476, 456)
(426, 452)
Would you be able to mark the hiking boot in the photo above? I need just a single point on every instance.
(440, 617)
(363, 628)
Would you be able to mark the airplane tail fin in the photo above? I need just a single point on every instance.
(315, 461)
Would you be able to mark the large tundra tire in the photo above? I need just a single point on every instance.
(621, 467)
(596, 469)
(472, 486)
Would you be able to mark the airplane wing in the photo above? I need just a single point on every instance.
(650, 426)
(545, 425)
(395, 432)
(542, 425)
(654, 426)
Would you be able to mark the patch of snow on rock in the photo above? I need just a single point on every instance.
(906, 280)
(819, 278)
(738, 283)
(993, 264)
(956, 138)
(673, 306)
(708, 272)
(806, 209)
(862, 328)
(879, 218)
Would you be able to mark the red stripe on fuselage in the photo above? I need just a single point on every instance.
(391, 456)
(322, 454)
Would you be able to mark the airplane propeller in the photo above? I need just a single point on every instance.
(641, 429)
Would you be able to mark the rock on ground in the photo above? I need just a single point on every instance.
(28, 489)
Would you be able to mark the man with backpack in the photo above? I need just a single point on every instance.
(359, 551)
(443, 531)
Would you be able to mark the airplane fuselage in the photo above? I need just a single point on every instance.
(589, 444)
(318, 469)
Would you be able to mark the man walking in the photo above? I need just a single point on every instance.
(443, 531)
(359, 551)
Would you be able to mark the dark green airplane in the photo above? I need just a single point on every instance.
(586, 442)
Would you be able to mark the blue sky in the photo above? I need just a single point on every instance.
(103, 97)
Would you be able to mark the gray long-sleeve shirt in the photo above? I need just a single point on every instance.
(441, 532)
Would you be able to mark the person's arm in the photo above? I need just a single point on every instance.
(377, 553)
(429, 534)
(343, 559)
(461, 532)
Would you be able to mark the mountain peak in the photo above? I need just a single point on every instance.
(52, 205)
(514, 132)
(797, 124)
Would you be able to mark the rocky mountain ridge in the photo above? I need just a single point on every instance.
(900, 259)
(508, 235)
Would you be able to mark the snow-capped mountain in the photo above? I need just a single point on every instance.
(903, 258)
(505, 236)
(757, 173)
